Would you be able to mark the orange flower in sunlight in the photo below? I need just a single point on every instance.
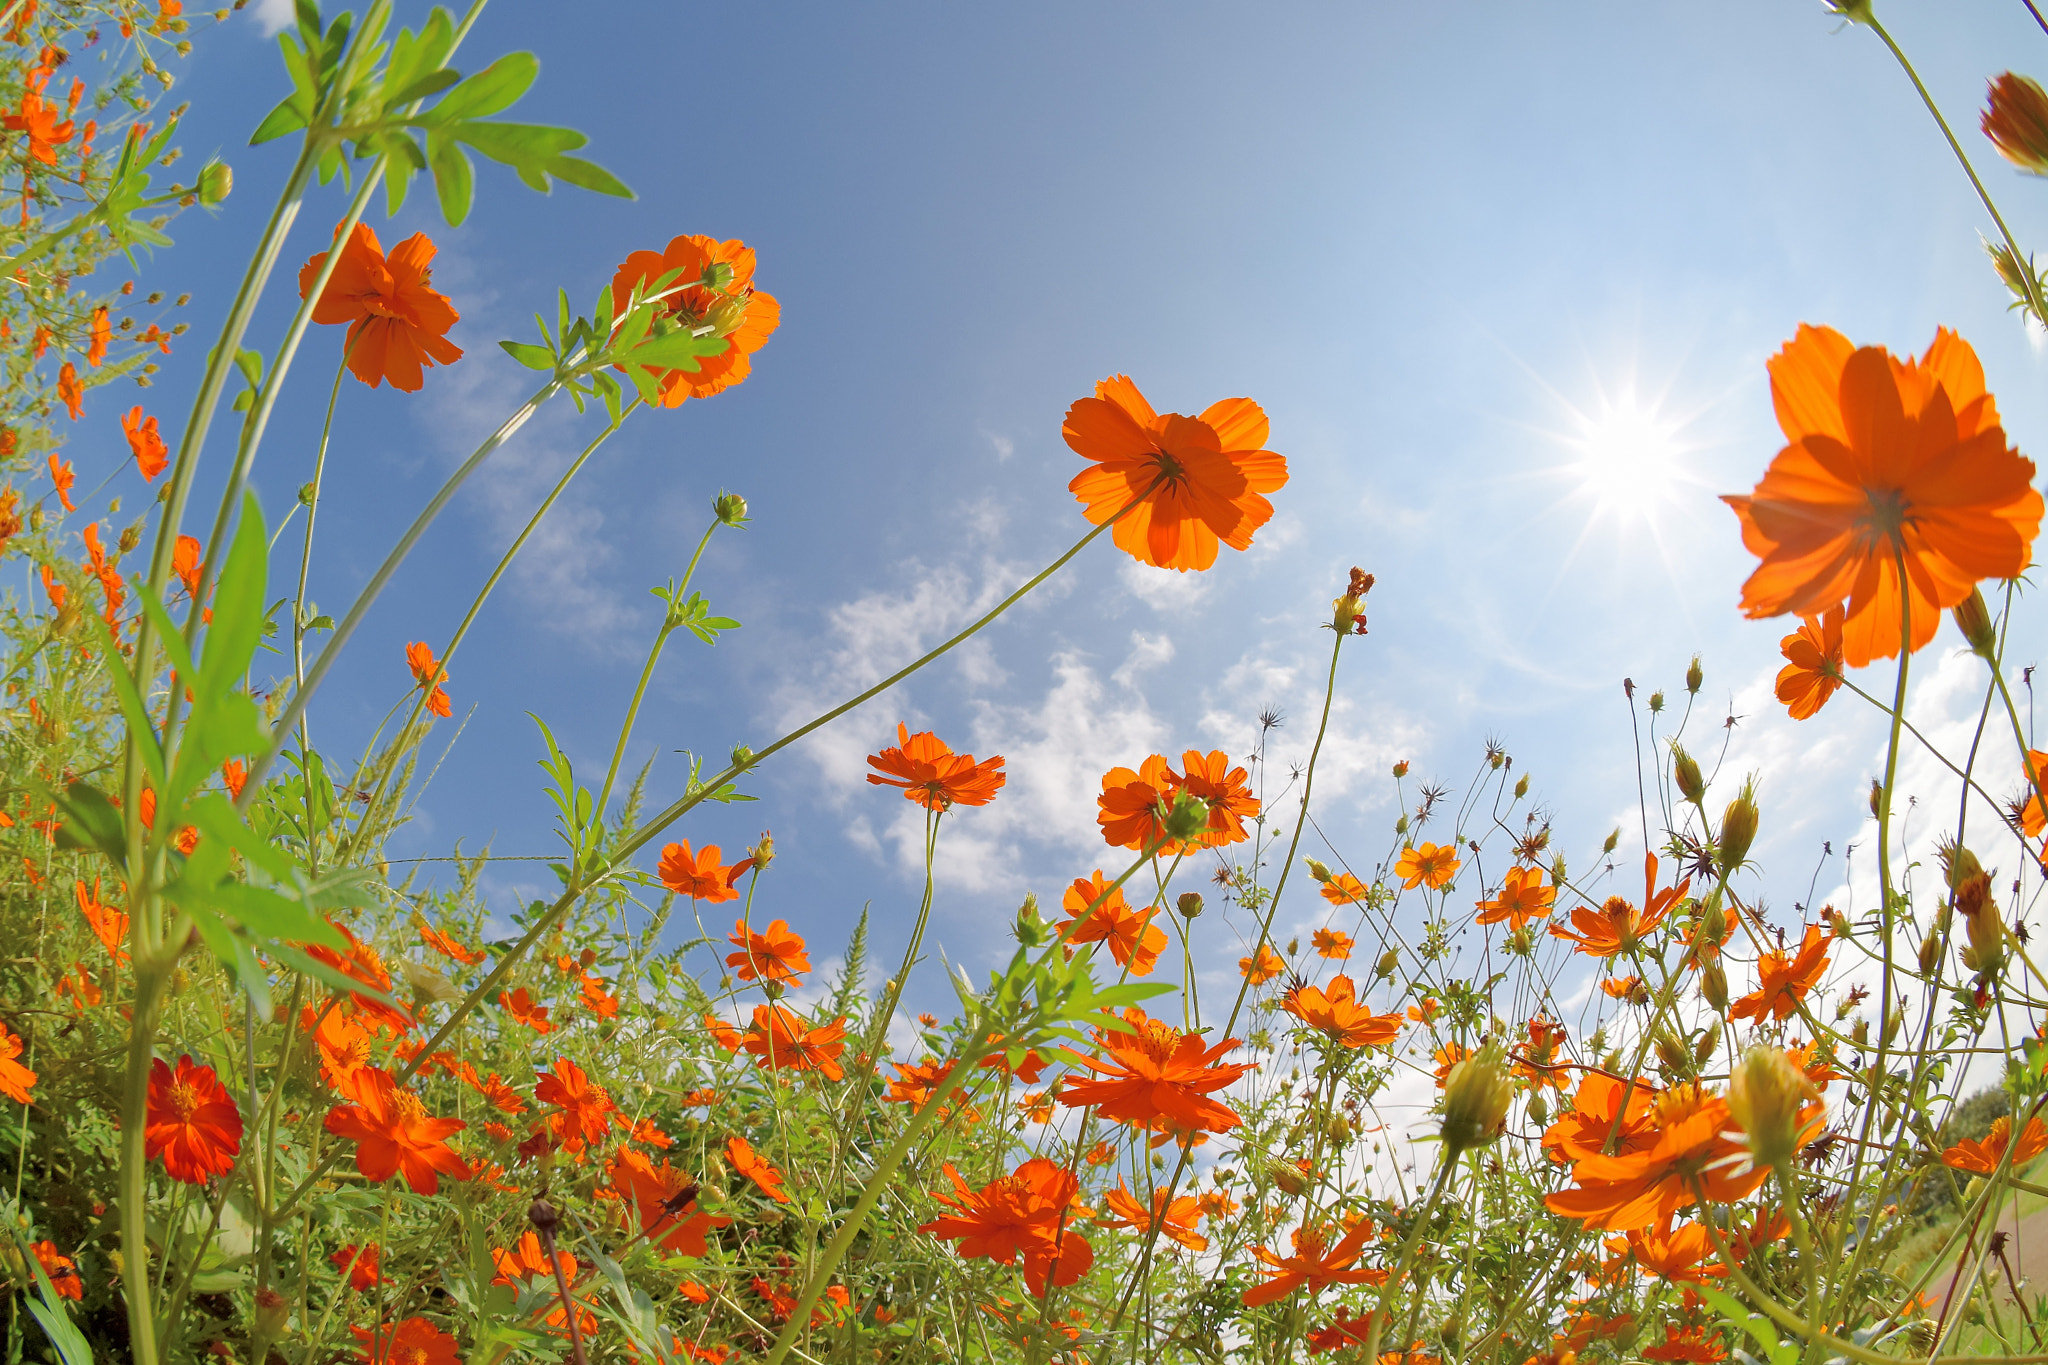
(523, 1010)
(1617, 927)
(1133, 939)
(665, 1200)
(527, 1261)
(715, 290)
(419, 657)
(1629, 988)
(394, 1136)
(61, 1269)
(360, 1265)
(776, 955)
(779, 1039)
(1022, 1214)
(1338, 1013)
(495, 1092)
(1176, 1222)
(1985, 1157)
(1314, 1264)
(2032, 809)
(1425, 1012)
(1344, 1330)
(932, 775)
(1225, 790)
(1131, 804)
(415, 1341)
(916, 1082)
(234, 777)
(1523, 897)
(1432, 865)
(1345, 889)
(109, 925)
(1813, 664)
(1188, 482)
(1785, 978)
(1645, 1187)
(585, 1112)
(17, 1082)
(700, 876)
(346, 1049)
(1262, 966)
(1585, 1129)
(1332, 944)
(1158, 1072)
(61, 478)
(71, 391)
(102, 333)
(191, 1122)
(1890, 464)
(449, 947)
(740, 1153)
(360, 963)
(38, 119)
(397, 322)
(1695, 1345)
(152, 456)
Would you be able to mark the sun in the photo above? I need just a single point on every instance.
(1630, 457)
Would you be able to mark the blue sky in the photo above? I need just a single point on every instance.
(1458, 254)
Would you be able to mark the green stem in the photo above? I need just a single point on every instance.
(668, 624)
(149, 985)
(878, 1033)
(306, 552)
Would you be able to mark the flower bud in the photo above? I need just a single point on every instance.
(1930, 952)
(1613, 841)
(1349, 610)
(1476, 1095)
(1186, 818)
(1893, 1022)
(1671, 1050)
(1539, 1109)
(1656, 702)
(1838, 922)
(1973, 619)
(731, 509)
(1288, 1177)
(1520, 943)
(131, 536)
(1738, 829)
(772, 989)
(1876, 798)
(1985, 954)
(1685, 771)
(1713, 919)
(1959, 866)
(273, 1310)
(1522, 787)
(1390, 962)
(1765, 1094)
(1401, 769)
(2016, 121)
(1558, 875)
(1694, 676)
(742, 757)
(216, 183)
(1714, 987)
(1031, 927)
(1401, 825)
(1318, 870)
(1338, 1129)
(1703, 1046)
(763, 853)
(1860, 1035)
(1189, 904)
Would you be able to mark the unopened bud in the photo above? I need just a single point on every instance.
(1522, 787)
(216, 183)
(1288, 1177)
(1557, 870)
(1349, 610)
(1694, 676)
(1860, 1034)
(1703, 1047)
(1713, 919)
(1685, 772)
(1973, 619)
(131, 537)
(1401, 768)
(1186, 818)
(731, 509)
(273, 1314)
(1656, 702)
(1539, 1109)
(1893, 1022)
(2016, 121)
(1189, 904)
(1318, 870)
(1031, 927)
(763, 853)
(1401, 825)
(1520, 942)
(1338, 1129)
(1930, 953)
(1876, 799)
(1959, 866)
(1738, 829)
(1985, 954)
(1765, 1094)
(1613, 841)
(1390, 962)
(1671, 1050)
(1476, 1096)
(1714, 987)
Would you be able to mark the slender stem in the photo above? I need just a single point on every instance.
(2019, 258)
(668, 624)
(2037, 14)
(878, 1033)
(306, 552)
(135, 1165)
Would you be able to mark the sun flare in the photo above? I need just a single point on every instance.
(1628, 457)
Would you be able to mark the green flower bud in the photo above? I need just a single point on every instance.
(731, 509)
(1738, 829)
(1685, 772)
(1714, 987)
(1694, 676)
(1973, 619)
(1613, 841)
(1189, 904)
(216, 183)
(1318, 870)
(1765, 1095)
(1476, 1096)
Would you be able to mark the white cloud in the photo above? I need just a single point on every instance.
(1167, 591)
(272, 16)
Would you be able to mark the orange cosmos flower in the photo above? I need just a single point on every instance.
(1345, 889)
(360, 1265)
(2016, 121)
(1022, 1214)
(1338, 1013)
(777, 955)
(1314, 1265)
(1523, 897)
(346, 1048)
(916, 1082)
(1785, 978)
(780, 1039)
(448, 946)
(1133, 939)
(1427, 864)
(527, 1261)
(932, 775)
(412, 1342)
(38, 119)
(740, 1153)
(1227, 792)
(1629, 988)
(586, 1111)
(1262, 966)
(1189, 482)
(520, 1006)
(1131, 804)
(1158, 1072)
(419, 657)
(394, 1136)
(1332, 944)
(665, 1201)
(1617, 927)
(152, 456)
(1590, 1124)
(17, 1082)
(191, 1122)
(714, 290)
(1344, 1330)
(1888, 462)
(61, 1269)
(1696, 1345)
(1986, 1156)
(1813, 664)
(1647, 1186)
(1175, 1221)
(1425, 1012)
(234, 777)
(61, 478)
(361, 963)
(700, 876)
(102, 333)
(109, 925)
(397, 322)
(71, 391)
